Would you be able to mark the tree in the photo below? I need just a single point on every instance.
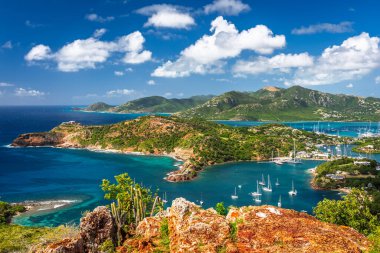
(352, 211)
(221, 209)
(7, 211)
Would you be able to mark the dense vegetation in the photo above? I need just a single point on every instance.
(133, 203)
(14, 238)
(98, 107)
(210, 143)
(267, 104)
(356, 210)
(292, 104)
(355, 175)
(7, 211)
(368, 145)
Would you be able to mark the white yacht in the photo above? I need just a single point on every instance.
(234, 196)
(268, 188)
(257, 199)
(279, 204)
(293, 192)
(258, 191)
(294, 160)
(262, 182)
(164, 199)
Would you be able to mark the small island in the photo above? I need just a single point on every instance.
(198, 143)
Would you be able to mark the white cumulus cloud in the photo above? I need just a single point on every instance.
(281, 62)
(342, 27)
(4, 84)
(354, 58)
(119, 93)
(207, 53)
(226, 7)
(38, 53)
(99, 32)
(151, 82)
(96, 18)
(87, 53)
(350, 85)
(377, 80)
(118, 73)
(21, 92)
(167, 16)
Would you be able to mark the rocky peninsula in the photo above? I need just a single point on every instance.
(198, 143)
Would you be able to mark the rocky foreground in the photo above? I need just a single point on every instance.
(193, 229)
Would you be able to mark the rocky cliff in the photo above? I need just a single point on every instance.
(193, 229)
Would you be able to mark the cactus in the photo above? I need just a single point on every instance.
(133, 204)
(119, 216)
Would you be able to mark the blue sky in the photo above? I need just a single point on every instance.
(79, 52)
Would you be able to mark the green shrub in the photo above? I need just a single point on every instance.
(164, 234)
(353, 211)
(7, 211)
(107, 247)
(233, 231)
(221, 209)
(15, 238)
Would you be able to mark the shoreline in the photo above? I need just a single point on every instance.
(110, 151)
(42, 206)
(344, 190)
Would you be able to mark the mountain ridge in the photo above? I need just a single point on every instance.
(151, 104)
(269, 103)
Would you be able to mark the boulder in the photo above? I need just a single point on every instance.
(97, 227)
(67, 245)
(272, 229)
(193, 229)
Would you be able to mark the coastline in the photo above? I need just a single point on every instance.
(344, 190)
(111, 151)
(42, 206)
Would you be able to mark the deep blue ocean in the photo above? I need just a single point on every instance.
(75, 175)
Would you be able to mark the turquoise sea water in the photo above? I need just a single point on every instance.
(75, 175)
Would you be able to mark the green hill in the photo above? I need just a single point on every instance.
(294, 103)
(98, 107)
(153, 104)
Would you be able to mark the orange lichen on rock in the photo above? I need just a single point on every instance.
(193, 229)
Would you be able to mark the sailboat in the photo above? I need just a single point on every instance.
(278, 160)
(277, 182)
(257, 192)
(279, 202)
(201, 201)
(269, 187)
(293, 192)
(258, 199)
(234, 196)
(262, 182)
(164, 199)
(294, 160)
